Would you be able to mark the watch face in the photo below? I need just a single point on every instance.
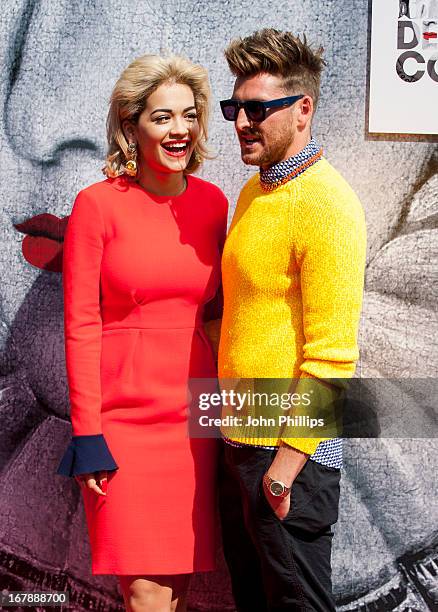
(277, 488)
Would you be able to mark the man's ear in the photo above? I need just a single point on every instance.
(305, 113)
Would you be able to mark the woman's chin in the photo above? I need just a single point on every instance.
(163, 163)
(177, 164)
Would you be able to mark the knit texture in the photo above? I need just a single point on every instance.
(293, 274)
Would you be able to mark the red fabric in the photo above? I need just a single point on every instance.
(137, 271)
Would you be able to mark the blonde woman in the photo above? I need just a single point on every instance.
(141, 273)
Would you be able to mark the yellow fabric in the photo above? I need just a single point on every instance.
(293, 274)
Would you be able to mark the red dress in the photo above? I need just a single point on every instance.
(138, 271)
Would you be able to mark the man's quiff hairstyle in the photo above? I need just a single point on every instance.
(278, 53)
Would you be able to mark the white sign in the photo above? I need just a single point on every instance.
(403, 92)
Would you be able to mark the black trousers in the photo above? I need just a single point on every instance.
(277, 565)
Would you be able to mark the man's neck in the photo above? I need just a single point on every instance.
(297, 145)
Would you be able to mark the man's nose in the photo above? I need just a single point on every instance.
(242, 120)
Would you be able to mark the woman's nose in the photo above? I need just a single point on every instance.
(179, 126)
(51, 106)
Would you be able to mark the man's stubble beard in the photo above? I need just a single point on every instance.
(272, 153)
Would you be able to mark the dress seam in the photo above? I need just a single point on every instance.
(131, 328)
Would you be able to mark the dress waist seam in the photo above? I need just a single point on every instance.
(200, 326)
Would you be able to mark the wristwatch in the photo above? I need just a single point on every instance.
(276, 487)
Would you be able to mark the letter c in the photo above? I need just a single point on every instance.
(409, 78)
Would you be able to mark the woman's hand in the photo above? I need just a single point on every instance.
(97, 481)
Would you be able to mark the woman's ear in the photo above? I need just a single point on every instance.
(128, 130)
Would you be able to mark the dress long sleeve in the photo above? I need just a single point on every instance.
(83, 248)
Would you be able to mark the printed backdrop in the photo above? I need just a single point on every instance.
(59, 61)
(404, 67)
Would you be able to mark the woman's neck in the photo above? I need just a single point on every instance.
(162, 184)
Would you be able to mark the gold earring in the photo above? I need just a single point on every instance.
(131, 164)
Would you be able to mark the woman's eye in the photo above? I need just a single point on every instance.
(192, 116)
(161, 119)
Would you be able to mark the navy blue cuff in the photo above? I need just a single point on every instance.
(85, 455)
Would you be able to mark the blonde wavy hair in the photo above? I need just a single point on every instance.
(128, 100)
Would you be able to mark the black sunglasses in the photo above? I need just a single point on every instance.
(255, 109)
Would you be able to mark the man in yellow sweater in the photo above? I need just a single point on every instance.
(293, 272)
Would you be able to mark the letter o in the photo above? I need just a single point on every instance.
(431, 68)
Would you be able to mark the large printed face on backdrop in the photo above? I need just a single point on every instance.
(59, 63)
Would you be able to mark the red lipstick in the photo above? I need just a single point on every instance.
(42, 247)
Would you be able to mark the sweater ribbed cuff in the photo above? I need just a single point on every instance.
(305, 445)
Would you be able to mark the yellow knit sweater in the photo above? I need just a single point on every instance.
(293, 274)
